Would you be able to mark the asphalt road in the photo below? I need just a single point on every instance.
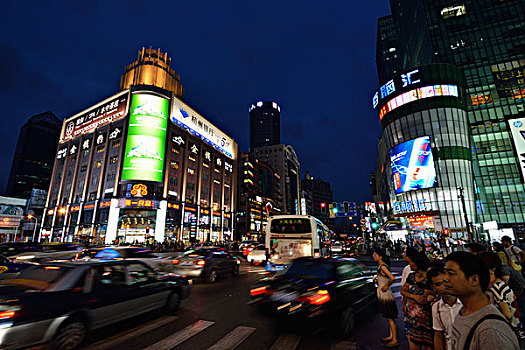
(218, 316)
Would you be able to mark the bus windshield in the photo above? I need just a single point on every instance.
(292, 225)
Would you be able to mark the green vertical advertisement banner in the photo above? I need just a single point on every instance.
(145, 143)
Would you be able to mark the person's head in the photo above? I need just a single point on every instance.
(497, 247)
(493, 262)
(409, 251)
(506, 241)
(465, 274)
(419, 262)
(380, 255)
(475, 248)
(436, 276)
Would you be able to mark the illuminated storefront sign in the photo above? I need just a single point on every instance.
(418, 94)
(410, 206)
(138, 203)
(407, 79)
(139, 190)
(517, 128)
(188, 119)
(103, 113)
(421, 222)
(509, 78)
(145, 144)
(412, 165)
(105, 204)
(173, 205)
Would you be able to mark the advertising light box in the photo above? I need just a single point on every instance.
(412, 165)
(517, 128)
(145, 143)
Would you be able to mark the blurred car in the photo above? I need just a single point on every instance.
(158, 263)
(9, 269)
(337, 247)
(60, 302)
(48, 251)
(12, 248)
(246, 246)
(329, 290)
(257, 255)
(209, 263)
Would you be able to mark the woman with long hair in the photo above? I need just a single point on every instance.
(387, 303)
(417, 290)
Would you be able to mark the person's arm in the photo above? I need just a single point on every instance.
(522, 257)
(391, 278)
(420, 299)
(439, 340)
(505, 278)
(504, 308)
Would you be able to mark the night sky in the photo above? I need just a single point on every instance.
(315, 59)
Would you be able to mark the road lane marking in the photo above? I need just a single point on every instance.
(132, 333)
(181, 336)
(233, 339)
(344, 345)
(286, 342)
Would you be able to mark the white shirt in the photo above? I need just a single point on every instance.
(443, 316)
(514, 253)
(404, 275)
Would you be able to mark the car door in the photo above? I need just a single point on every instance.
(111, 297)
(149, 292)
(219, 260)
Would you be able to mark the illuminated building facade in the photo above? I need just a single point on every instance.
(485, 39)
(259, 191)
(426, 133)
(320, 192)
(141, 164)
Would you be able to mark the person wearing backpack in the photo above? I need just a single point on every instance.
(479, 325)
(516, 255)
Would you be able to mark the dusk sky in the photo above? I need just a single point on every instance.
(315, 59)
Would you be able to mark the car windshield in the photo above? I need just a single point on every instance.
(38, 277)
(311, 270)
(197, 252)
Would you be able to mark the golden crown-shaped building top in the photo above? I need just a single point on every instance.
(152, 67)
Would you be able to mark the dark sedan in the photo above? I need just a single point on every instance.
(331, 289)
(206, 262)
(59, 302)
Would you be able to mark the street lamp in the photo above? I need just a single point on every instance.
(29, 216)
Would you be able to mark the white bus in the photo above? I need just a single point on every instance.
(293, 236)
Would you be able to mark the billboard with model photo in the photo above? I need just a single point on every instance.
(412, 165)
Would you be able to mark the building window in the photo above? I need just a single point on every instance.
(174, 165)
(205, 177)
(111, 177)
(191, 171)
(83, 168)
(98, 164)
(190, 186)
(92, 196)
(113, 160)
(173, 180)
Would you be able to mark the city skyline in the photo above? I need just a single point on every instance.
(305, 63)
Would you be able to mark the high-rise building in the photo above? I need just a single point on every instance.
(486, 40)
(142, 164)
(283, 160)
(265, 124)
(321, 194)
(34, 155)
(387, 54)
(259, 196)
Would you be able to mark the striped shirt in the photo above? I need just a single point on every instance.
(500, 292)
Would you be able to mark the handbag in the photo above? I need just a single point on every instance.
(514, 264)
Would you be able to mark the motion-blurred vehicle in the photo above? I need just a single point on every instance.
(257, 255)
(337, 247)
(60, 302)
(326, 290)
(208, 263)
(9, 269)
(12, 248)
(245, 244)
(158, 263)
(48, 251)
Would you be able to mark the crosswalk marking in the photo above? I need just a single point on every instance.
(233, 339)
(181, 336)
(286, 342)
(132, 333)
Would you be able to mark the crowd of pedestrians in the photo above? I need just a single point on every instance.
(471, 300)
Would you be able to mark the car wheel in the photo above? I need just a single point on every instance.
(347, 322)
(236, 270)
(70, 335)
(212, 277)
(173, 303)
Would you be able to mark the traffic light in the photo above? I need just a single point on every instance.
(375, 225)
(147, 229)
(335, 210)
(445, 232)
(345, 205)
(323, 207)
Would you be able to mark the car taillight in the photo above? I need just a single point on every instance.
(9, 311)
(175, 261)
(201, 262)
(316, 253)
(318, 298)
(250, 253)
(258, 291)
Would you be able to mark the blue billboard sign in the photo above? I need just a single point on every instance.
(412, 165)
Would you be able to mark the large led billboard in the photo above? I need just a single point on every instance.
(412, 165)
(517, 128)
(145, 143)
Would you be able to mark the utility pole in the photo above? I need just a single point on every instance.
(462, 197)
